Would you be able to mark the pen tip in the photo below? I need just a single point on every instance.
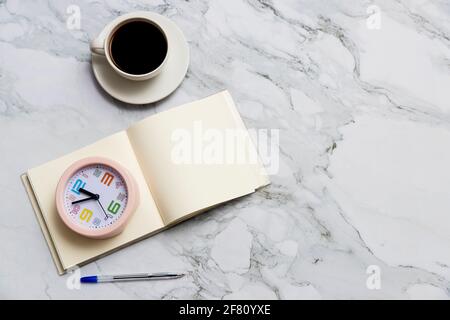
(89, 279)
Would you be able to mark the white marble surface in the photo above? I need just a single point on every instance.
(365, 147)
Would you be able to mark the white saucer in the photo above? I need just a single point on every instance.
(154, 89)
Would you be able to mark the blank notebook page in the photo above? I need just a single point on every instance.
(180, 189)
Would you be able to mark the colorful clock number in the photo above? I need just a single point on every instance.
(77, 185)
(75, 209)
(107, 179)
(114, 207)
(86, 215)
(97, 172)
(96, 222)
(121, 196)
(119, 184)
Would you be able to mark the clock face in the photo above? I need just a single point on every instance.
(95, 197)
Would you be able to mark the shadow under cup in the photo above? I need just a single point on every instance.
(138, 47)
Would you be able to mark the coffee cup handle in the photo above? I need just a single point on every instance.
(97, 46)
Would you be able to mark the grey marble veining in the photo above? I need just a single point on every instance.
(363, 114)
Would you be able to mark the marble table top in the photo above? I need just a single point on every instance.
(360, 94)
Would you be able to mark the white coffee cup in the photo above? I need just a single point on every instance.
(102, 45)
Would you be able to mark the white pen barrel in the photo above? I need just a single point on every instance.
(138, 276)
(105, 278)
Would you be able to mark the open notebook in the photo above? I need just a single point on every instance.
(171, 189)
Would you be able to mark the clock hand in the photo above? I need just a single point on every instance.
(85, 199)
(93, 195)
(96, 197)
(107, 216)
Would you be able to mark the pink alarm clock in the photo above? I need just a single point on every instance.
(96, 197)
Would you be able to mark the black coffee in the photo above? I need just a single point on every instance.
(138, 47)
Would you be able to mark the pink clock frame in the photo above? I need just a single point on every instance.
(132, 203)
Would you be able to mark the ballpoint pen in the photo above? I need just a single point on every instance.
(131, 277)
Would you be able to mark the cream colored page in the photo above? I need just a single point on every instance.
(183, 188)
(71, 247)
